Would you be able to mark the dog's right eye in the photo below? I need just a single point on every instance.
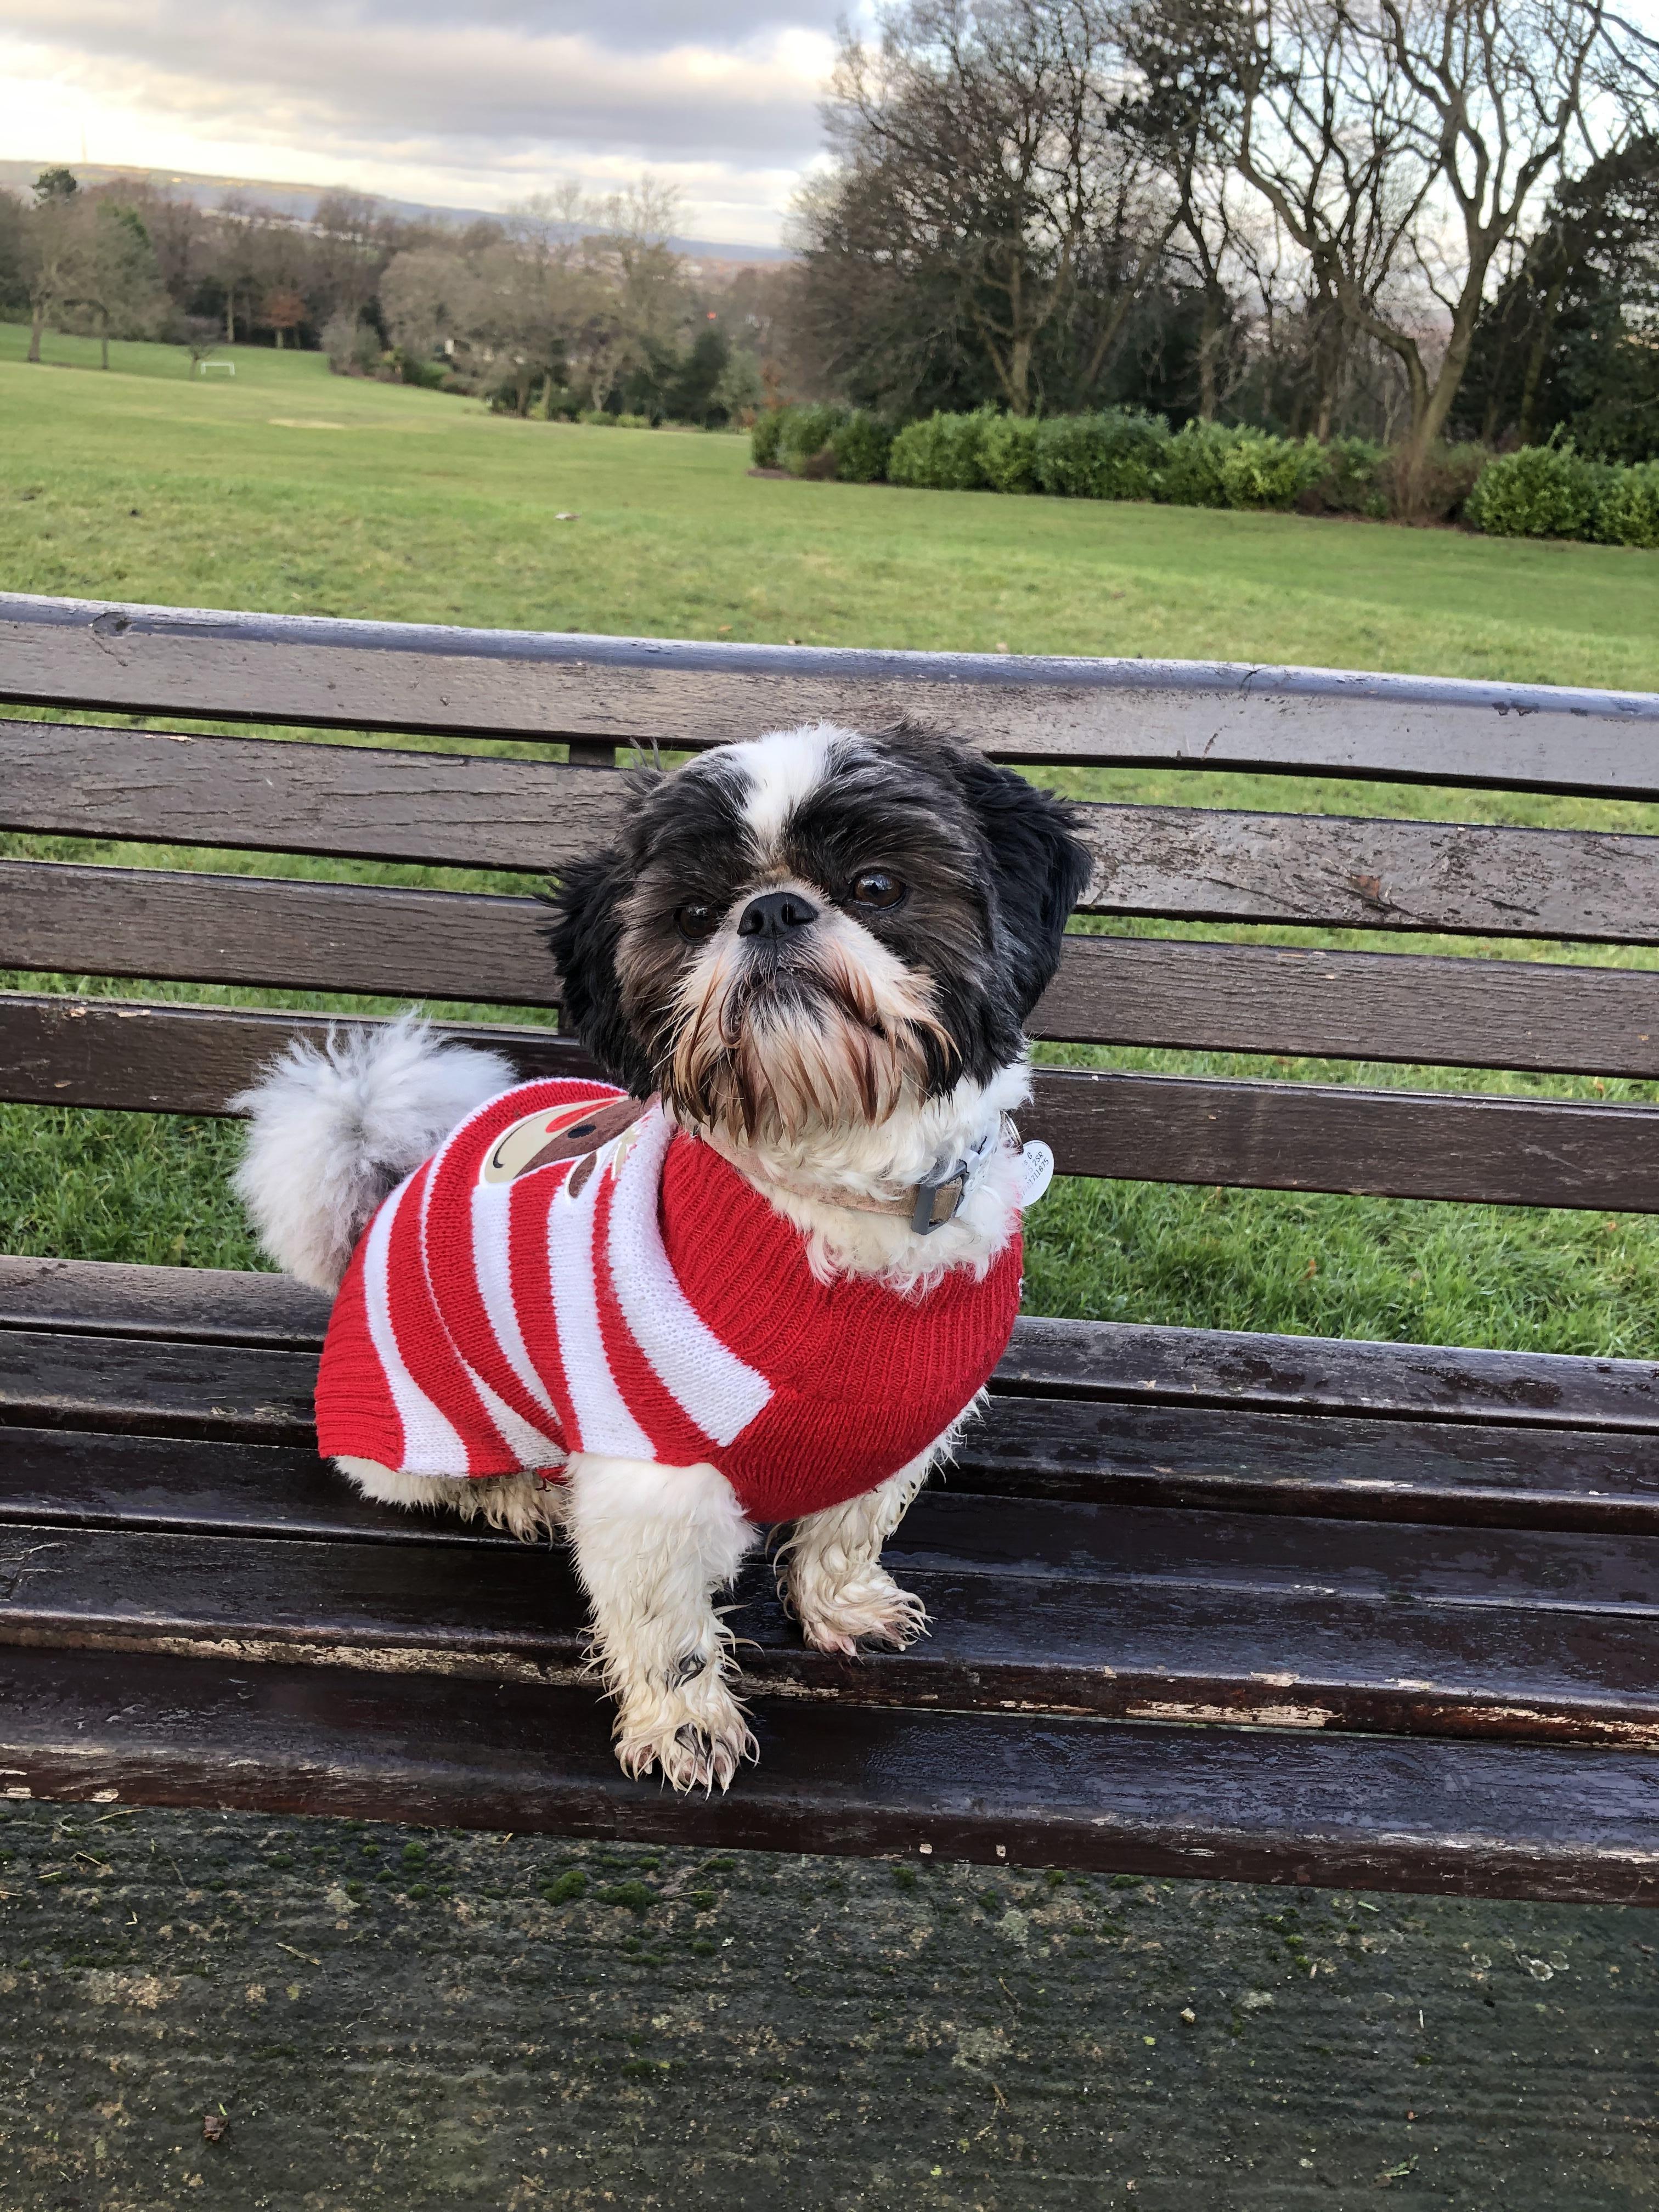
(695, 921)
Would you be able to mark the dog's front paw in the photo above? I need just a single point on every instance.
(869, 1607)
(693, 1731)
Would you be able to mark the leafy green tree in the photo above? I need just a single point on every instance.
(115, 277)
(1571, 342)
(691, 397)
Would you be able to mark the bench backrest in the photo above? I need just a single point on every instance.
(526, 813)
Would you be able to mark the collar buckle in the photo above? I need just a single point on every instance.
(956, 1180)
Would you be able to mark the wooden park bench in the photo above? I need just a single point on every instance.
(1264, 1607)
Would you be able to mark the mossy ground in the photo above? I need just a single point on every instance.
(388, 2019)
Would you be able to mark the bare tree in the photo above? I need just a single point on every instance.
(54, 249)
(1403, 139)
(427, 295)
(987, 171)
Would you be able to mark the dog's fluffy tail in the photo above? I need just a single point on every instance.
(334, 1131)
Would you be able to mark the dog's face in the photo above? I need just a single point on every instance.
(801, 932)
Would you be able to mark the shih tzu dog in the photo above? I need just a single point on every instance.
(762, 1276)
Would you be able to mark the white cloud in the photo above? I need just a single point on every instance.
(429, 105)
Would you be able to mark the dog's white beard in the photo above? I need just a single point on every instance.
(834, 1042)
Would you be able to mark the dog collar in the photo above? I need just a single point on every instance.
(939, 1196)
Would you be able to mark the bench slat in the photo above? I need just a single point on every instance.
(359, 802)
(1480, 1819)
(1103, 1363)
(446, 945)
(1087, 1499)
(1332, 1625)
(180, 927)
(1329, 1467)
(388, 676)
(1207, 864)
(1273, 1136)
(162, 1059)
(1197, 863)
(202, 1305)
(1402, 1469)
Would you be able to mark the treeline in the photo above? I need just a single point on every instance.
(566, 305)
(1417, 221)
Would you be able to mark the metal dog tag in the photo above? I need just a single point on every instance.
(1036, 1171)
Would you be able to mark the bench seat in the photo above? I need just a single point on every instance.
(1245, 1605)
(1273, 1608)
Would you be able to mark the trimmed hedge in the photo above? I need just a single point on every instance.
(1542, 491)
(1553, 491)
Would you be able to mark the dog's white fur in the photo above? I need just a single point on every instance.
(334, 1130)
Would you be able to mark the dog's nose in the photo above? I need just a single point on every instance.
(774, 913)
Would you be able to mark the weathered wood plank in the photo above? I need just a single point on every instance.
(446, 945)
(202, 1305)
(141, 1387)
(1197, 1458)
(1272, 1136)
(1331, 1465)
(184, 927)
(327, 672)
(154, 1057)
(273, 796)
(1204, 864)
(1112, 1364)
(956, 1530)
(1227, 1368)
(1326, 1626)
(103, 1478)
(1319, 1137)
(1460, 878)
(1366, 1005)
(213, 1374)
(1263, 1805)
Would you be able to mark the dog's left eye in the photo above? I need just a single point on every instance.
(695, 920)
(875, 887)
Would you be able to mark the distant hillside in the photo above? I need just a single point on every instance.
(300, 201)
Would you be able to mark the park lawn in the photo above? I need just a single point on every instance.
(289, 490)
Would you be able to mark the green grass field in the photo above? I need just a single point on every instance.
(287, 489)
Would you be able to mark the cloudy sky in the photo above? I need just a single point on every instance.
(460, 102)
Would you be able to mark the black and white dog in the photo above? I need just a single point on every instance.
(814, 954)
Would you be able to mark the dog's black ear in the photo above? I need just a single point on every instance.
(1041, 868)
(584, 934)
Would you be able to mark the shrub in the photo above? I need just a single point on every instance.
(860, 446)
(1542, 491)
(763, 438)
(1628, 511)
(1261, 470)
(1445, 482)
(352, 347)
(1007, 452)
(416, 369)
(941, 454)
(1357, 479)
(1192, 470)
(1113, 455)
(803, 443)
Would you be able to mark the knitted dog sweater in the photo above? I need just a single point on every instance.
(510, 1304)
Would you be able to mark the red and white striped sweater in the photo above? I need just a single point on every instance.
(642, 1301)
